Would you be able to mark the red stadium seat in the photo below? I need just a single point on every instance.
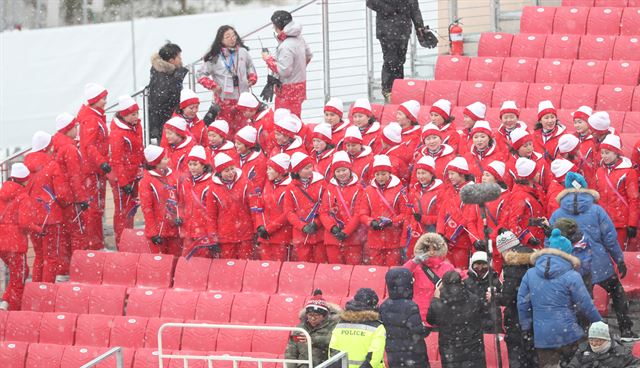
(120, 268)
(495, 44)
(107, 299)
(519, 69)
(627, 48)
(485, 69)
(528, 45)
(284, 310)
(333, 279)
(452, 67)
(39, 297)
(234, 340)
(543, 91)
(571, 20)
(260, 355)
(588, 71)
(3, 323)
(509, 91)
(368, 276)
(226, 275)
(193, 363)
(617, 119)
(604, 21)
(110, 362)
(630, 21)
(614, 97)
(296, 278)
(631, 122)
(86, 266)
(436, 90)
(601, 300)
(134, 241)
(633, 3)
(76, 356)
(588, 3)
(199, 339)
(614, 3)
(560, 46)
(170, 335)
(192, 274)
(93, 330)
(553, 71)
(58, 328)
(458, 113)
(73, 298)
(576, 95)
(424, 116)
(265, 341)
(13, 354)
(635, 103)
(44, 355)
(377, 110)
(471, 92)
(155, 270)
(537, 19)
(407, 89)
(214, 307)
(493, 115)
(628, 140)
(179, 304)
(622, 72)
(388, 115)
(596, 47)
(144, 302)
(148, 358)
(490, 350)
(23, 326)
(432, 346)
(262, 276)
(565, 116)
(529, 116)
(249, 308)
(128, 331)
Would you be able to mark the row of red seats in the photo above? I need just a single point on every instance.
(609, 20)
(564, 71)
(621, 3)
(562, 46)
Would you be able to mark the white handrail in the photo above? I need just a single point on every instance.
(116, 350)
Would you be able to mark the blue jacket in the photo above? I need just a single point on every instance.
(579, 204)
(551, 296)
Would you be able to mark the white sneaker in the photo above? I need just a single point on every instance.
(4, 305)
(62, 278)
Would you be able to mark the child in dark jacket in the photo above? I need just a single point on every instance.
(602, 351)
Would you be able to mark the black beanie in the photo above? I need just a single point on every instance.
(365, 299)
(281, 18)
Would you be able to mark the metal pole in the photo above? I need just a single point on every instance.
(369, 34)
(494, 9)
(453, 10)
(84, 11)
(414, 54)
(326, 64)
(133, 46)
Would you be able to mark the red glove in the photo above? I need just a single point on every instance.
(208, 83)
(252, 78)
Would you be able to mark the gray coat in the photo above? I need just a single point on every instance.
(216, 70)
(292, 55)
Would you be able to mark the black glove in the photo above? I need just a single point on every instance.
(340, 236)
(533, 241)
(178, 221)
(157, 240)
(622, 269)
(335, 229)
(375, 225)
(127, 189)
(310, 228)
(426, 38)
(212, 114)
(268, 90)
(262, 232)
(417, 216)
(105, 167)
(480, 245)
(367, 361)
(632, 232)
(83, 205)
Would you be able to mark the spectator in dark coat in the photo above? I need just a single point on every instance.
(478, 283)
(401, 319)
(167, 74)
(602, 351)
(458, 315)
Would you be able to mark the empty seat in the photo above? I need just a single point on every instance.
(76, 356)
(249, 308)
(297, 277)
(73, 298)
(537, 19)
(155, 270)
(626, 48)
(192, 274)
(107, 299)
(471, 92)
(13, 354)
(192, 363)
(262, 276)
(179, 304)
(543, 91)
(441, 89)
(284, 309)
(226, 274)
(58, 328)
(614, 97)
(562, 46)
(23, 326)
(133, 241)
(622, 72)
(571, 20)
(144, 302)
(576, 95)
(588, 3)
(565, 116)
(333, 279)
(128, 331)
(528, 45)
(266, 341)
(234, 340)
(424, 116)
(199, 339)
(519, 69)
(86, 266)
(110, 362)
(388, 115)
(368, 276)
(485, 69)
(44, 355)
(588, 71)
(611, 3)
(604, 21)
(377, 110)
(630, 21)
(170, 335)
(596, 47)
(93, 330)
(407, 89)
(553, 71)
(214, 306)
(120, 268)
(495, 44)
(631, 122)
(635, 102)
(509, 91)
(148, 358)
(39, 296)
(628, 141)
(617, 119)
(452, 67)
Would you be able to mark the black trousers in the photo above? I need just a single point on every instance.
(394, 54)
(614, 288)
(521, 352)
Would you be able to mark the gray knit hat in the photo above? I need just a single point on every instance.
(506, 241)
(599, 330)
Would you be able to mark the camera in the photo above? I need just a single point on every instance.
(236, 81)
(536, 221)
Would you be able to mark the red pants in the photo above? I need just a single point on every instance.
(97, 187)
(384, 257)
(124, 209)
(169, 245)
(351, 255)
(48, 247)
(273, 252)
(18, 272)
(241, 250)
(294, 105)
(231, 115)
(75, 235)
(315, 253)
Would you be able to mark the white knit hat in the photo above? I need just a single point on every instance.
(93, 92)
(426, 163)
(362, 106)
(612, 143)
(178, 125)
(19, 171)
(600, 122)
(545, 107)
(411, 109)
(287, 126)
(352, 135)
(247, 135)
(476, 111)
(280, 162)
(525, 168)
(599, 330)
(40, 141)
(567, 143)
(280, 114)
(519, 137)
(509, 107)
(340, 159)
(335, 105)
(382, 163)
(199, 154)
(188, 98)
(392, 134)
(248, 101)
(459, 165)
(322, 131)
(560, 167)
(65, 122)
(220, 127)
(221, 161)
(442, 107)
(497, 169)
(583, 112)
(478, 256)
(299, 161)
(153, 154)
(127, 105)
(482, 126)
(506, 241)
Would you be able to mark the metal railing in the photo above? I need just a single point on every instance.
(115, 351)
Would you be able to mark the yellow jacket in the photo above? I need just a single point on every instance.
(359, 333)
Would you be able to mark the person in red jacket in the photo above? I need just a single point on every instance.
(188, 110)
(472, 114)
(50, 192)
(343, 234)
(407, 117)
(433, 147)
(160, 202)
(218, 133)
(390, 144)
(16, 211)
(179, 144)
(483, 150)
(384, 215)
(230, 209)
(547, 131)
(259, 116)
(127, 158)
(509, 114)
(559, 169)
(522, 146)
(600, 127)
(570, 148)
(617, 183)
(333, 113)
(583, 130)
(362, 117)
(323, 149)
(360, 155)
(441, 117)
(94, 148)
(274, 230)
(249, 155)
(635, 155)
(302, 205)
(286, 138)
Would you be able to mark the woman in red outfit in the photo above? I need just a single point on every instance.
(472, 114)
(390, 144)
(407, 117)
(362, 117)
(433, 147)
(547, 131)
(570, 148)
(259, 116)
(323, 149)
(522, 146)
(360, 155)
(286, 138)
(483, 150)
(509, 114)
(250, 157)
(217, 133)
(188, 110)
(441, 117)
(333, 113)
(179, 144)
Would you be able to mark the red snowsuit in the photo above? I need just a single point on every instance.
(254, 164)
(503, 138)
(360, 165)
(178, 155)
(296, 146)
(370, 135)
(555, 187)
(496, 217)
(270, 213)
(322, 162)
(525, 202)
(466, 142)
(450, 135)
(227, 147)
(548, 145)
(338, 132)
(412, 137)
(442, 159)
(478, 163)
(426, 202)
(635, 155)
(586, 163)
(423, 287)
(541, 166)
(197, 131)
(400, 159)
(263, 122)
(198, 229)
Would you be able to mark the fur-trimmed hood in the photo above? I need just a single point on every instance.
(565, 192)
(577, 201)
(575, 261)
(517, 258)
(359, 316)
(160, 65)
(431, 240)
(334, 312)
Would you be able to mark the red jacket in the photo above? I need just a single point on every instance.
(254, 164)
(541, 165)
(450, 136)
(426, 202)
(618, 188)
(496, 215)
(296, 146)
(49, 189)
(525, 203)
(263, 122)
(322, 162)
(392, 207)
(67, 156)
(178, 155)
(197, 131)
(338, 132)
(231, 216)
(16, 210)
(412, 137)
(127, 154)
(635, 155)
(227, 147)
(400, 159)
(196, 214)
(94, 139)
(301, 209)
(360, 165)
(503, 138)
(457, 221)
(159, 199)
(340, 207)
(466, 142)
(369, 136)
(552, 193)
(548, 146)
(479, 163)
(275, 217)
(442, 159)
